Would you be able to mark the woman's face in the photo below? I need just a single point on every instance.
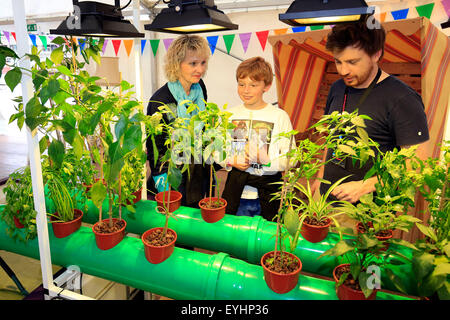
(192, 68)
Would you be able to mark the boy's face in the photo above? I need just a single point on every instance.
(356, 67)
(251, 92)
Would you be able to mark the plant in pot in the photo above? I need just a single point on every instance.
(431, 262)
(116, 130)
(215, 125)
(359, 277)
(19, 214)
(159, 242)
(309, 215)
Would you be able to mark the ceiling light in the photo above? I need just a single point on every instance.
(320, 12)
(190, 16)
(96, 19)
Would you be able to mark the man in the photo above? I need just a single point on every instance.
(396, 110)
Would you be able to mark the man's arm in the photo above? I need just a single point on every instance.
(353, 190)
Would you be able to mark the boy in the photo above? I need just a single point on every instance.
(258, 159)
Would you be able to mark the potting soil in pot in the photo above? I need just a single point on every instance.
(154, 238)
(283, 266)
(349, 282)
(104, 227)
(315, 222)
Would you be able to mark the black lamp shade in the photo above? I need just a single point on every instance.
(192, 18)
(97, 20)
(320, 12)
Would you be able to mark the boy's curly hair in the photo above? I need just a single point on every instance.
(178, 50)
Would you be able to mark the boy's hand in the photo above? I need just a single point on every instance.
(257, 155)
(240, 162)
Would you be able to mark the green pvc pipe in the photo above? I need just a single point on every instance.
(185, 274)
(247, 238)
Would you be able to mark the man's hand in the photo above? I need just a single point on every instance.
(240, 162)
(353, 190)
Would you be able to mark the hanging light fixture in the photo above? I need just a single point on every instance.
(190, 16)
(320, 12)
(94, 19)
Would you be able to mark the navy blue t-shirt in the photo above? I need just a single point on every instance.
(398, 119)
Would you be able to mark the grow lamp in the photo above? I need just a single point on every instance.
(94, 19)
(190, 16)
(320, 12)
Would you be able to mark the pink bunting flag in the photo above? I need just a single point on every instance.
(446, 4)
(167, 43)
(6, 33)
(104, 46)
(245, 40)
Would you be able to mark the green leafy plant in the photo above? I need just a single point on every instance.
(19, 204)
(360, 252)
(342, 132)
(215, 125)
(431, 263)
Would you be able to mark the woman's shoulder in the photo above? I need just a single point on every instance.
(159, 97)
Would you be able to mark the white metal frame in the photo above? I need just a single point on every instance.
(35, 165)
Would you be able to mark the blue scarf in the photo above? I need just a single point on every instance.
(195, 95)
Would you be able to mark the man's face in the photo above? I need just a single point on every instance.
(356, 67)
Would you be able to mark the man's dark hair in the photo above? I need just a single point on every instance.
(357, 34)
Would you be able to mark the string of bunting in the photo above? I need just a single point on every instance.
(425, 10)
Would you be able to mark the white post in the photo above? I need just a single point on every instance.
(35, 159)
(138, 79)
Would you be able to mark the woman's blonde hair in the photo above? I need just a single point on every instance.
(178, 50)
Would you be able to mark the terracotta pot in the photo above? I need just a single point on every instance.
(18, 224)
(346, 293)
(157, 254)
(212, 215)
(137, 195)
(278, 282)
(64, 229)
(175, 200)
(107, 241)
(313, 233)
(360, 226)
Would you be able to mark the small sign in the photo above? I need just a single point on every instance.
(32, 27)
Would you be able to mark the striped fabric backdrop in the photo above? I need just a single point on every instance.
(300, 60)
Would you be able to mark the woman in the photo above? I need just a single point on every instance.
(186, 63)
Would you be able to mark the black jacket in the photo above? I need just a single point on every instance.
(194, 188)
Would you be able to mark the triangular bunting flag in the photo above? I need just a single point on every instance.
(212, 41)
(128, 45)
(167, 43)
(316, 27)
(44, 41)
(116, 45)
(104, 46)
(383, 16)
(51, 38)
(14, 35)
(143, 42)
(298, 29)
(245, 39)
(6, 33)
(155, 44)
(425, 10)
(400, 14)
(33, 39)
(262, 36)
(281, 31)
(82, 43)
(446, 4)
(228, 39)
